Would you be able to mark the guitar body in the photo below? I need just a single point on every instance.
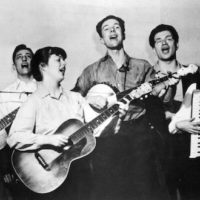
(110, 93)
(44, 178)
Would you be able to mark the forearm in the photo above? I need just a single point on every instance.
(24, 141)
(3, 136)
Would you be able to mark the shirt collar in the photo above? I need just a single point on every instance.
(31, 85)
(157, 67)
(126, 60)
(44, 92)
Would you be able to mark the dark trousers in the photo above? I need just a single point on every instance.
(183, 173)
(125, 167)
(14, 190)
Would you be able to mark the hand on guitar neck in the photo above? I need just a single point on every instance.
(173, 79)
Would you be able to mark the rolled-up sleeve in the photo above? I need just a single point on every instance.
(21, 134)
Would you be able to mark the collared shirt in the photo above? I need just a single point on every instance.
(105, 70)
(11, 98)
(43, 113)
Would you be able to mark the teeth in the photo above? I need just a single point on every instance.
(113, 37)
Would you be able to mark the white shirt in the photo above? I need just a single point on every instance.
(11, 100)
(184, 112)
(45, 113)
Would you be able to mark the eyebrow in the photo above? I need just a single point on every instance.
(19, 54)
(165, 37)
(116, 23)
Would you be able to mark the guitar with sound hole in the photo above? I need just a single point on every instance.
(45, 169)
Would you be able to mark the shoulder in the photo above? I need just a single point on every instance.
(93, 66)
(75, 99)
(139, 62)
(142, 66)
(74, 96)
(12, 86)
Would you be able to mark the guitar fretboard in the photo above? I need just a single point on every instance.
(8, 119)
(96, 122)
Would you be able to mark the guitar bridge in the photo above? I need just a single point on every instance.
(42, 162)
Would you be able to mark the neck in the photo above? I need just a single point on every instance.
(168, 66)
(118, 56)
(53, 87)
(26, 78)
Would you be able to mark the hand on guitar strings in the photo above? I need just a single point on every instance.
(189, 126)
(161, 88)
(100, 102)
(123, 108)
(60, 141)
(97, 102)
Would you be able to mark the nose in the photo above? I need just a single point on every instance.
(164, 41)
(112, 29)
(63, 64)
(24, 58)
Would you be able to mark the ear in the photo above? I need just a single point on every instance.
(13, 67)
(102, 40)
(42, 67)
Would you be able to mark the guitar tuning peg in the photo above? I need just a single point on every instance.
(141, 98)
(146, 96)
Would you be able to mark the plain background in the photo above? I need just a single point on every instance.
(70, 24)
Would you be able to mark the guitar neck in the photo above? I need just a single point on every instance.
(159, 80)
(153, 82)
(8, 119)
(96, 122)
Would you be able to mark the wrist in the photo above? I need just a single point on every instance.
(178, 128)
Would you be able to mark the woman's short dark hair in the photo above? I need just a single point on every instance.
(121, 23)
(19, 48)
(160, 28)
(42, 56)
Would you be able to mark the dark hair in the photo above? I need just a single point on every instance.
(19, 48)
(42, 56)
(160, 28)
(121, 23)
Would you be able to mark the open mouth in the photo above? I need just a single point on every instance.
(113, 37)
(165, 49)
(62, 70)
(24, 65)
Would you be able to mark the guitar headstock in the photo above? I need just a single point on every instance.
(191, 69)
(143, 89)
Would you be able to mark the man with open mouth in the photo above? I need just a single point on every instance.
(11, 99)
(182, 173)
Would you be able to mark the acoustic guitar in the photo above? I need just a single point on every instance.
(45, 169)
(8, 119)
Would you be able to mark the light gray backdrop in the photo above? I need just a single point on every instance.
(71, 24)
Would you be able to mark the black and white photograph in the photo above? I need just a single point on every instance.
(99, 100)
